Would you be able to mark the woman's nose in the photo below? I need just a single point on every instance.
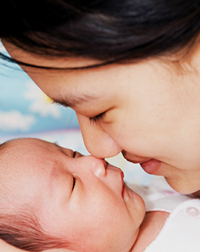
(96, 140)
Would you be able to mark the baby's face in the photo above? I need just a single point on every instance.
(75, 197)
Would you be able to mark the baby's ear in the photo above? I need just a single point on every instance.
(59, 250)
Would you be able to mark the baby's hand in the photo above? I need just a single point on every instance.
(5, 247)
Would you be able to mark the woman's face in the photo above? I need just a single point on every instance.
(148, 110)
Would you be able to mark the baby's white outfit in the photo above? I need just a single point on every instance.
(181, 231)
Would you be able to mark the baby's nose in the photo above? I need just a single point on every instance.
(98, 166)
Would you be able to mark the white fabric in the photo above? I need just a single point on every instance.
(159, 196)
(181, 231)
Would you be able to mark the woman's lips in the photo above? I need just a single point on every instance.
(151, 166)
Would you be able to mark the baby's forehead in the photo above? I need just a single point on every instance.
(33, 158)
(21, 156)
(23, 144)
(6, 149)
(12, 149)
(15, 144)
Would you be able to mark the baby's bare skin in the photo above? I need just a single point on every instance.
(6, 247)
(150, 228)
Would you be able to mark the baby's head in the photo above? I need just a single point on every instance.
(62, 199)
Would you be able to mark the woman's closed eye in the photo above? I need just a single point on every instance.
(97, 118)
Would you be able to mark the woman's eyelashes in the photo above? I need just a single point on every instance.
(97, 118)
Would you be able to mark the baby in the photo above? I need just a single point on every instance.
(54, 199)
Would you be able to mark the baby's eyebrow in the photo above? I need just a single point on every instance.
(59, 147)
(56, 144)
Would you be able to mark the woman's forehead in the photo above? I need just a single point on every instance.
(47, 60)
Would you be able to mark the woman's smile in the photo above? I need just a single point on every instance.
(151, 166)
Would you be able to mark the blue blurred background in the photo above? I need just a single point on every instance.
(24, 108)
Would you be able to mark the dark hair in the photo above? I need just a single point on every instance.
(106, 30)
(23, 231)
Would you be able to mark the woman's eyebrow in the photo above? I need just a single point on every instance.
(75, 100)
